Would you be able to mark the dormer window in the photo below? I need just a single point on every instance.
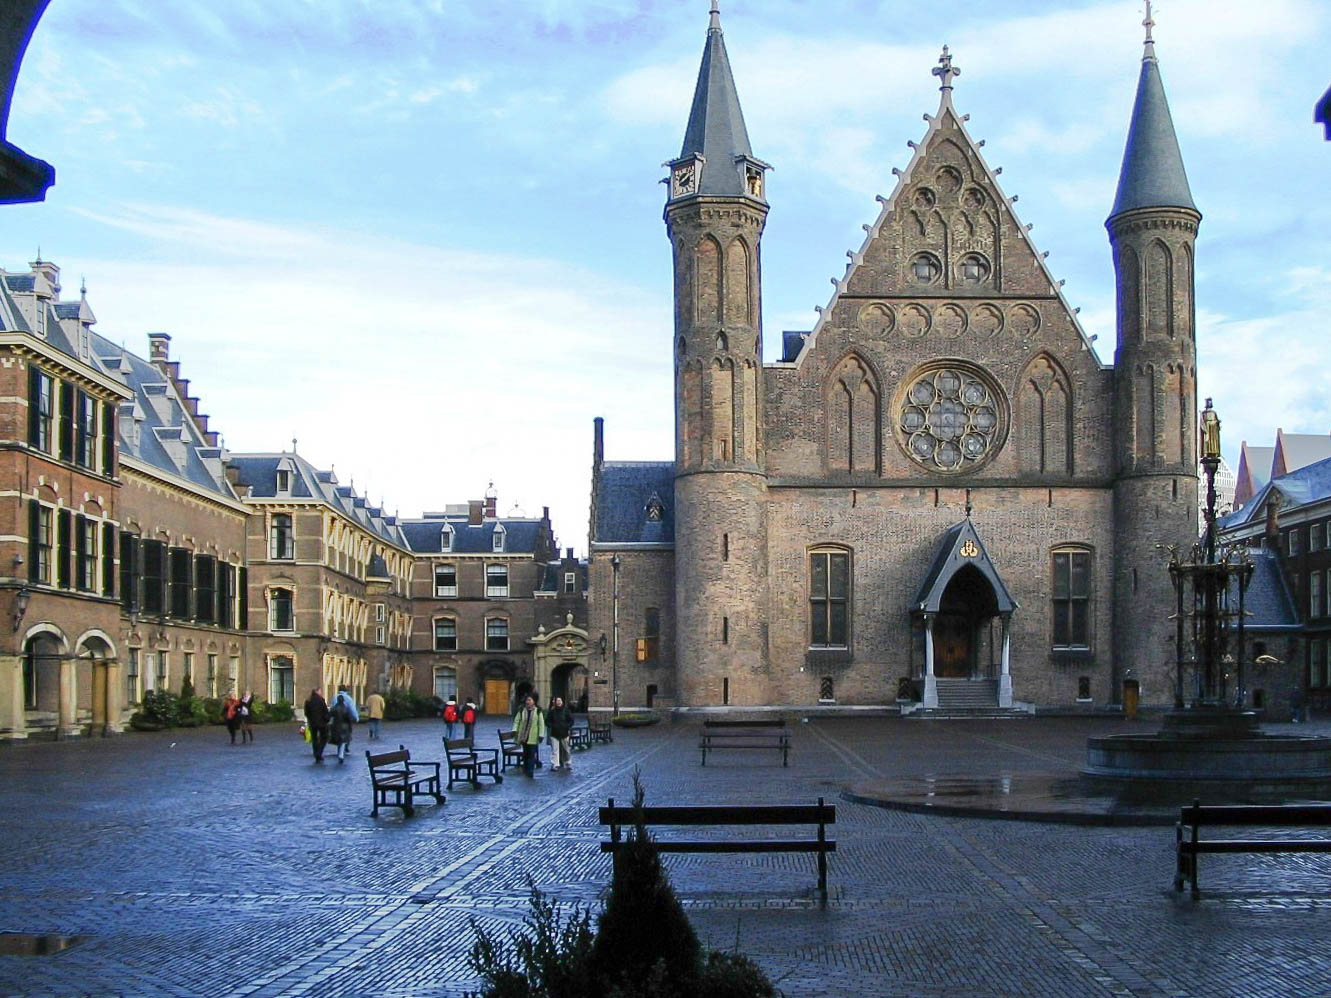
(284, 481)
(446, 539)
(498, 538)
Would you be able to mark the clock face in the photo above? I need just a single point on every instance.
(683, 180)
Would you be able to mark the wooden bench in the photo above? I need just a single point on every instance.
(1195, 815)
(512, 751)
(745, 735)
(466, 762)
(394, 775)
(600, 731)
(580, 735)
(820, 814)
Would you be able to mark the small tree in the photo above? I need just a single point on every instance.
(186, 687)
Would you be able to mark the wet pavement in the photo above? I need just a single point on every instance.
(186, 866)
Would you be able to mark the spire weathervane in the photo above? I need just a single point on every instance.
(945, 71)
(716, 17)
(1148, 23)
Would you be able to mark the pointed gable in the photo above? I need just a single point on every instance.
(961, 547)
(946, 240)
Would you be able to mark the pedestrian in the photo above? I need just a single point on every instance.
(342, 715)
(316, 721)
(231, 714)
(374, 703)
(450, 715)
(529, 724)
(246, 712)
(468, 718)
(559, 722)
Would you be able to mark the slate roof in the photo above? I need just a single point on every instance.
(1311, 483)
(11, 316)
(259, 472)
(716, 124)
(425, 536)
(1298, 450)
(949, 560)
(552, 580)
(1152, 175)
(156, 418)
(624, 490)
(1268, 601)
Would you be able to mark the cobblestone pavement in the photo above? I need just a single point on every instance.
(192, 867)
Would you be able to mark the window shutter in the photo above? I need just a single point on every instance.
(108, 438)
(244, 588)
(34, 406)
(108, 559)
(66, 422)
(62, 549)
(34, 530)
(81, 581)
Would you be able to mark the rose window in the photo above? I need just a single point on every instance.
(950, 419)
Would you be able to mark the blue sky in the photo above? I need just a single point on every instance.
(425, 238)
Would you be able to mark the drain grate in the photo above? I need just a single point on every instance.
(34, 943)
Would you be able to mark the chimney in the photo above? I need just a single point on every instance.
(491, 502)
(598, 444)
(569, 556)
(49, 273)
(474, 513)
(159, 349)
(1273, 521)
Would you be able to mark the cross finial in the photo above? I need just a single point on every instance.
(1148, 23)
(716, 16)
(945, 71)
(293, 445)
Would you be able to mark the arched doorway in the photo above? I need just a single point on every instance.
(569, 681)
(960, 634)
(48, 690)
(497, 689)
(96, 660)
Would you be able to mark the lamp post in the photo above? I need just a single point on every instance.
(1210, 446)
(615, 562)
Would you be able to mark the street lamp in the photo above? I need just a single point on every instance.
(615, 562)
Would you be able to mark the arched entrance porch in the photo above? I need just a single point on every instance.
(966, 611)
(97, 655)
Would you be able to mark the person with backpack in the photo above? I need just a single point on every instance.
(231, 714)
(316, 720)
(450, 715)
(468, 717)
(342, 715)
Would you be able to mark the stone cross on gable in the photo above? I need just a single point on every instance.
(945, 71)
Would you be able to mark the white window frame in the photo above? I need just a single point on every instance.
(272, 610)
(273, 669)
(379, 634)
(496, 590)
(380, 612)
(446, 538)
(434, 633)
(449, 688)
(497, 539)
(570, 582)
(212, 675)
(444, 591)
(507, 637)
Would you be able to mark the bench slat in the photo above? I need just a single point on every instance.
(725, 814)
(1256, 845)
(1256, 814)
(734, 845)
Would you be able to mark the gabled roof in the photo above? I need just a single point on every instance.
(1152, 175)
(1298, 450)
(625, 491)
(947, 130)
(425, 536)
(259, 472)
(156, 428)
(1254, 471)
(716, 128)
(960, 547)
(1309, 484)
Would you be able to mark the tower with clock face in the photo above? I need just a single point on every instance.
(715, 215)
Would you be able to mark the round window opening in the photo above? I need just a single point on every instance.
(951, 419)
(974, 268)
(925, 268)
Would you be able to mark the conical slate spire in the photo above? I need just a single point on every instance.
(1152, 174)
(716, 124)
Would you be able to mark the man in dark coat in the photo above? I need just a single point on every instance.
(559, 722)
(316, 719)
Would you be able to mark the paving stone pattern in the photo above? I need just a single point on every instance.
(192, 867)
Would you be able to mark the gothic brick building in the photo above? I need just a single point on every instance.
(940, 482)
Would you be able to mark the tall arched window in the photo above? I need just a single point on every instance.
(829, 598)
(1072, 598)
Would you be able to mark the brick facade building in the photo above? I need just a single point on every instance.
(138, 552)
(939, 490)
